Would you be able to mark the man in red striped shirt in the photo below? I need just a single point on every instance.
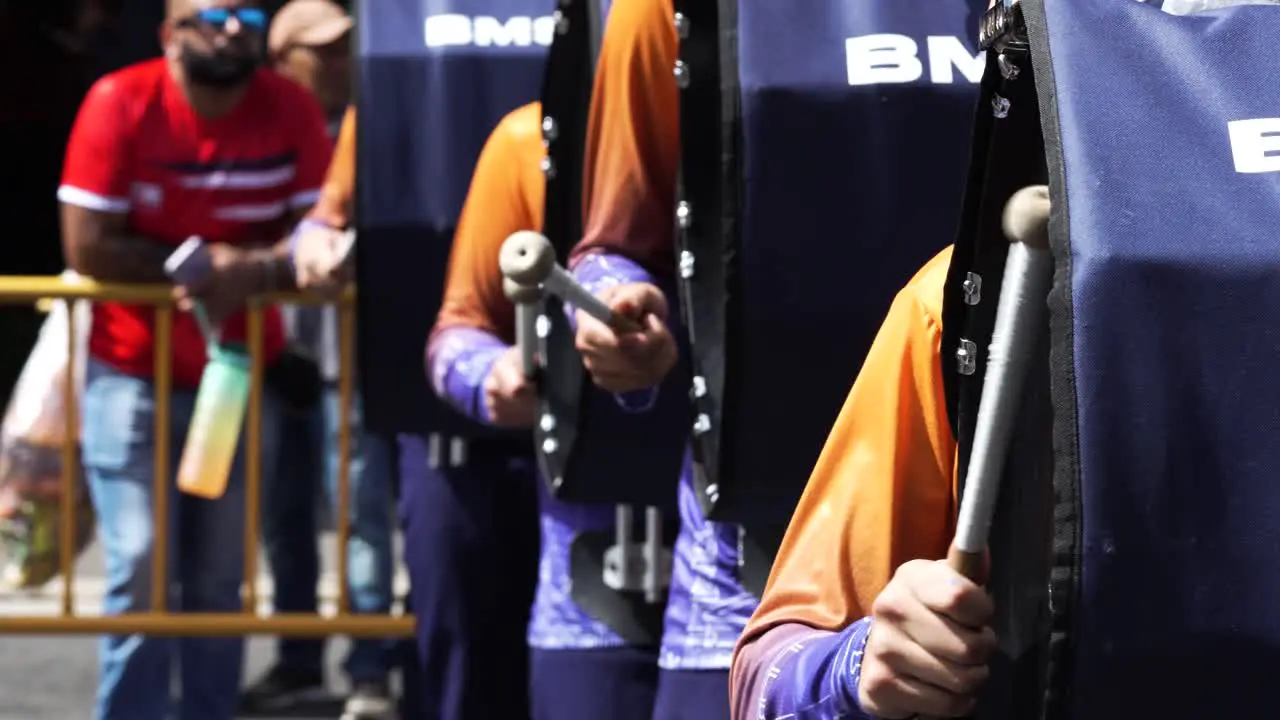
(202, 142)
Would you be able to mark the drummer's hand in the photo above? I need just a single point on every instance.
(628, 361)
(319, 262)
(929, 644)
(510, 399)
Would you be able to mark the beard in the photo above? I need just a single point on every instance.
(219, 69)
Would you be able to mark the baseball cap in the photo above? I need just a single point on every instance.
(309, 23)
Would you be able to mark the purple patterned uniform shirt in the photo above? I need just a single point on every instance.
(707, 608)
(460, 359)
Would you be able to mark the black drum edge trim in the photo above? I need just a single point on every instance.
(980, 248)
(701, 236)
(964, 252)
(731, 202)
(1066, 570)
(565, 100)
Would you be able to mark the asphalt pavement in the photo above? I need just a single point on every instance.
(53, 678)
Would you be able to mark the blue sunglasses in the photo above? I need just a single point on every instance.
(250, 18)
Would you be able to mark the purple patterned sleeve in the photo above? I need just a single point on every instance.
(597, 271)
(799, 673)
(459, 359)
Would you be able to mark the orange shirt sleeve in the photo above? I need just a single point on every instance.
(633, 137)
(882, 492)
(334, 207)
(506, 195)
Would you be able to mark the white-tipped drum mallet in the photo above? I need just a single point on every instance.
(528, 258)
(1028, 274)
(526, 298)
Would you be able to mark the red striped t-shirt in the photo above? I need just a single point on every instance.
(139, 148)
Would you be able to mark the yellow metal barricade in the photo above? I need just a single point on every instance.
(159, 620)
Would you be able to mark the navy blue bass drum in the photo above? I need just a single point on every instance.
(1164, 158)
(1136, 518)
(433, 80)
(824, 150)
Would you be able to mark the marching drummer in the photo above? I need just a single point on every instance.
(862, 546)
(625, 254)
(580, 667)
(862, 618)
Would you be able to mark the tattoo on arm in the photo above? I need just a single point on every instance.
(123, 258)
(99, 245)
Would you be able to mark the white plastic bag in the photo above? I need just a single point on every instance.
(32, 435)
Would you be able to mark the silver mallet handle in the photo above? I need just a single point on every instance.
(526, 299)
(1019, 318)
(527, 339)
(528, 259)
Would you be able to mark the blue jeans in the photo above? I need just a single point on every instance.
(206, 552)
(309, 443)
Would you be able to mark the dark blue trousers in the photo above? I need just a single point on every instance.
(692, 695)
(608, 684)
(471, 547)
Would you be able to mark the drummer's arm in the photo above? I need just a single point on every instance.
(467, 338)
(597, 271)
(631, 155)
(333, 207)
(880, 495)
